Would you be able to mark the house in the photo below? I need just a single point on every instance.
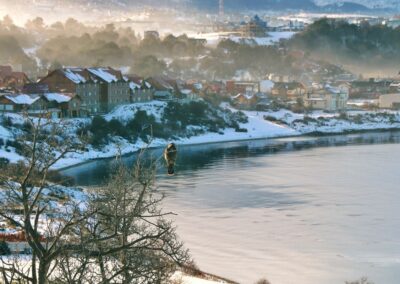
(245, 101)
(67, 105)
(12, 79)
(162, 89)
(214, 88)
(17, 242)
(80, 82)
(290, 91)
(188, 95)
(140, 90)
(328, 98)
(114, 88)
(370, 89)
(237, 87)
(57, 105)
(21, 102)
(389, 101)
(100, 89)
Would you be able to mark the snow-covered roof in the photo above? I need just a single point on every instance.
(246, 96)
(104, 74)
(23, 99)
(133, 85)
(148, 85)
(186, 91)
(73, 75)
(57, 97)
(198, 86)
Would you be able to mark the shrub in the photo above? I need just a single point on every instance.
(4, 249)
(240, 117)
(4, 162)
(18, 146)
(99, 129)
(7, 122)
(244, 130)
(117, 128)
(270, 118)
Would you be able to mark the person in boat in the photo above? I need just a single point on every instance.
(170, 154)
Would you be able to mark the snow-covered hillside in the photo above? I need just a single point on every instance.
(259, 125)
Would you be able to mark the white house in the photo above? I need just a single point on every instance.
(329, 98)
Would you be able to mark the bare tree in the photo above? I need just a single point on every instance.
(116, 234)
(25, 201)
(131, 239)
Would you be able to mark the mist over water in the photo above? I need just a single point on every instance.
(308, 210)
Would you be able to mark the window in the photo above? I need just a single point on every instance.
(9, 107)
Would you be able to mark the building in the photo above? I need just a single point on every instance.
(370, 89)
(80, 82)
(57, 105)
(238, 87)
(390, 101)
(64, 105)
(114, 88)
(21, 102)
(162, 89)
(12, 79)
(327, 99)
(100, 89)
(255, 27)
(140, 90)
(245, 101)
(288, 91)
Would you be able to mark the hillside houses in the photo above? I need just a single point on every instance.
(100, 89)
(166, 89)
(56, 104)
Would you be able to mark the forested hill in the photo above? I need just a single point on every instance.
(344, 43)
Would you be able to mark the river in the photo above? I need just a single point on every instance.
(294, 210)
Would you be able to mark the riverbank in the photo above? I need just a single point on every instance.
(260, 125)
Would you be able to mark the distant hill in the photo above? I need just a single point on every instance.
(237, 5)
(345, 7)
(364, 46)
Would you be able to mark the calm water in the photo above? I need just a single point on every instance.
(299, 210)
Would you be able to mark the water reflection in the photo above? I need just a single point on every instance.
(200, 157)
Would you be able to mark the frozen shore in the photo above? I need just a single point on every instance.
(260, 125)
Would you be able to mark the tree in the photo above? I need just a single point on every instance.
(149, 66)
(117, 234)
(130, 231)
(25, 204)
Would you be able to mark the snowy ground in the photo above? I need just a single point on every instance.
(261, 125)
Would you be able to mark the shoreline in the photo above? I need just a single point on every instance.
(310, 134)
